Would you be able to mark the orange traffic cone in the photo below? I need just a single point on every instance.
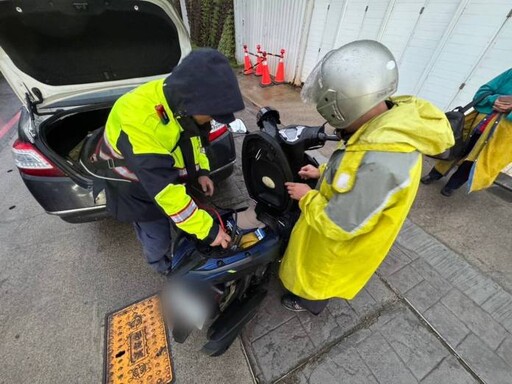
(265, 76)
(247, 62)
(258, 71)
(279, 78)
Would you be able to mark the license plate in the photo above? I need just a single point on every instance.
(184, 304)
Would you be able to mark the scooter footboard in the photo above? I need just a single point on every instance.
(229, 324)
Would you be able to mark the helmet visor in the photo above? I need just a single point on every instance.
(313, 87)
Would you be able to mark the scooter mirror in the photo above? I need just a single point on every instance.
(237, 126)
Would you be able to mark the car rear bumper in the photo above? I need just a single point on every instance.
(62, 197)
(221, 152)
(83, 215)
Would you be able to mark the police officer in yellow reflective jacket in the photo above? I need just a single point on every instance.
(153, 139)
(350, 220)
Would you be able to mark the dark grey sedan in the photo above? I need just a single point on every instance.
(68, 63)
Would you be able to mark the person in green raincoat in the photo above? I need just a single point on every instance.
(488, 131)
(349, 222)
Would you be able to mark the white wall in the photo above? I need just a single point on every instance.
(274, 24)
(445, 49)
(440, 45)
(471, 56)
(325, 21)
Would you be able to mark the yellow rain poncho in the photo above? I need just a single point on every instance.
(350, 221)
(491, 152)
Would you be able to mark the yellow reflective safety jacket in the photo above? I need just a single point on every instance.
(154, 163)
(350, 221)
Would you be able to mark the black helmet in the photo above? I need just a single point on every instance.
(204, 84)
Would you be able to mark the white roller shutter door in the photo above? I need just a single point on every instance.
(478, 26)
(325, 22)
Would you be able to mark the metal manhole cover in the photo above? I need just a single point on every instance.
(137, 346)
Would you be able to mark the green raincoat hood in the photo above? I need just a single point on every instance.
(412, 122)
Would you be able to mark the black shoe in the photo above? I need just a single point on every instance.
(429, 179)
(447, 191)
(291, 303)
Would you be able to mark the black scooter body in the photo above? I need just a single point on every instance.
(270, 157)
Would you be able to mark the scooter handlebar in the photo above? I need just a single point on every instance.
(299, 136)
(326, 137)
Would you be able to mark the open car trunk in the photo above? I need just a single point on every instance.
(77, 53)
(65, 134)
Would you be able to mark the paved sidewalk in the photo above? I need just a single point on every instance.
(427, 316)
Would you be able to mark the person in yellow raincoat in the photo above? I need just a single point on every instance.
(488, 130)
(349, 222)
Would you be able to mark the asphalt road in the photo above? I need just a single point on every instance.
(59, 280)
(9, 106)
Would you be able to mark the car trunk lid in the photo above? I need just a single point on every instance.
(61, 54)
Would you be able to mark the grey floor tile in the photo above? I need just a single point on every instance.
(379, 291)
(432, 276)
(270, 314)
(418, 348)
(343, 313)
(414, 238)
(447, 324)
(450, 371)
(475, 318)
(342, 368)
(322, 329)
(280, 350)
(404, 279)
(423, 296)
(351, 369)
(487, 364)
(342, 364)
(467, 278)
(390, 313)
(296, 378)
(410, 252)
(450, 266)
(364, 304)
(382, 360)
(394, 261)
(475, 285)
(434, 252)
(505, 350)
(499, 306)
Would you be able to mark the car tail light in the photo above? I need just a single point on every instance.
(32, 162)
(217, 130)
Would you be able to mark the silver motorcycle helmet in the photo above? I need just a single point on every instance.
(351, 80)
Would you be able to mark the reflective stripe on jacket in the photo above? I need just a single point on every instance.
(149, 147)
(350, 221)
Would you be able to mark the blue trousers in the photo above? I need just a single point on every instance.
(155, 237)
(313, 306)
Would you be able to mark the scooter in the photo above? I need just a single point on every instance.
(226, 286)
